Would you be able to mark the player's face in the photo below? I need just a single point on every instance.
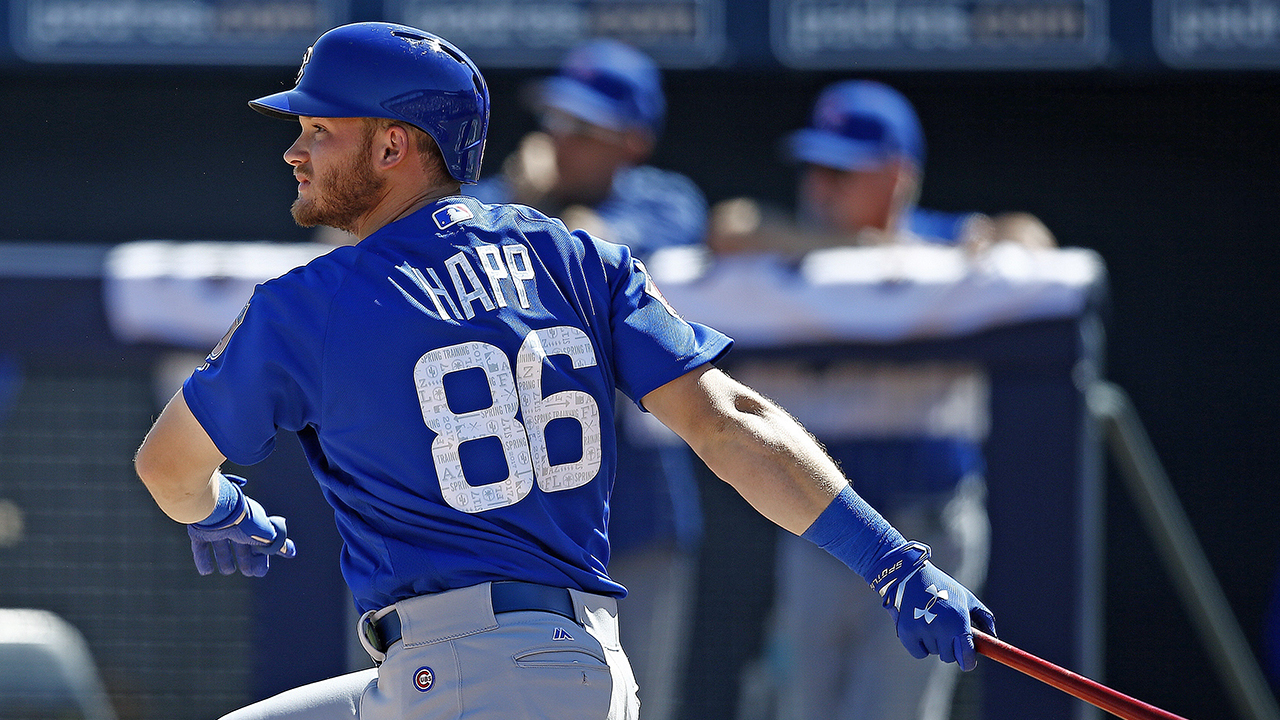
(851, 201)
(587, 157)
(333, 162)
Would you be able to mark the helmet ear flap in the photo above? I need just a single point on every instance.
(459, 136)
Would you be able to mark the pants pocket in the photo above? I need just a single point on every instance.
(562, 657)
(575, 681)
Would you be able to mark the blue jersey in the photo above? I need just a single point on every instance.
(649, 209)
(938, 226)
(452, 379)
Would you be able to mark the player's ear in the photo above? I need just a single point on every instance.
(907, 183)
(639, 145)
(391, 146)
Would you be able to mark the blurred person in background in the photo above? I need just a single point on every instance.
(600, 118)
(908, 435)
(862, 171)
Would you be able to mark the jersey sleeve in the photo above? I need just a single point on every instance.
(652, 344)
(264, 375)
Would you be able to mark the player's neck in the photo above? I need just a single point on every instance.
(400, 205)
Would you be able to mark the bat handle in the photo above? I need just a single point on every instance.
(1094, 693)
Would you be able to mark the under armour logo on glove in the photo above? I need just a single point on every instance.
(937, 595)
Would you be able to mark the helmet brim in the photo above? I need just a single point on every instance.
(294, 103)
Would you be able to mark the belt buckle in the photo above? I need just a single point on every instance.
(369, 639)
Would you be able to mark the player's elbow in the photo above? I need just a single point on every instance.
(149, 467)
(158, 473)
(749, 404)
(182, 496)
(745, 424)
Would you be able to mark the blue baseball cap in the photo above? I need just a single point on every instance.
(859, 125)
(609, 84)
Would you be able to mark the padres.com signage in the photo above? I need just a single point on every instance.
(214, 32)
(931, 34)
(536, 33)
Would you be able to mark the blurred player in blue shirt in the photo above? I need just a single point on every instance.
(452, 378)
(909, 435)
(861, 170)
(601, 115)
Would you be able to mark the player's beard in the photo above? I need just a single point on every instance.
(343, 195)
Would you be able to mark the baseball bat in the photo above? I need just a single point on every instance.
(1094, 693)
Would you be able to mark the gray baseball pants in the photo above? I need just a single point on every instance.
(459, 660)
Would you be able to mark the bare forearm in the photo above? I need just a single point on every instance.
(740, 225)
(752, 444)
(773, 463)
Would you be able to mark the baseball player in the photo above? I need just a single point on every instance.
(863, 163)
(451, 378)
(600, 117)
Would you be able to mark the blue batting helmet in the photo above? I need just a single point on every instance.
(383, 70)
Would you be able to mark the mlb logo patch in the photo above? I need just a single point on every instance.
(451, 215)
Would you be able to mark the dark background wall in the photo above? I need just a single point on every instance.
(1173, 178)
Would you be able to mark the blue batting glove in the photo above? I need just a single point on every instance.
(934, 614)
(238, 534)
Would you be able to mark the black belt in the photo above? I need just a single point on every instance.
(506, 595)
